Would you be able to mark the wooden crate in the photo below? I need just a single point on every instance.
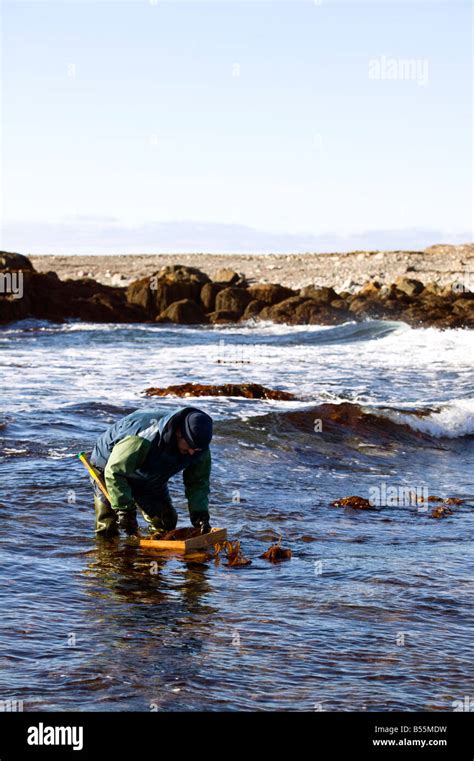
(215, 536)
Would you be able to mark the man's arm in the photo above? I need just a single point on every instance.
(126, 457)
(196, 486)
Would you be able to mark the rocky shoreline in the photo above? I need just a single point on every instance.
(187, 295)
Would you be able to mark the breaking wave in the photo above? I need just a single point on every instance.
(451, 420)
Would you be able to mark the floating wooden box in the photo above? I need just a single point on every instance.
(200, 542)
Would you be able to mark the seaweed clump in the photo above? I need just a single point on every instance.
(233, 553)
(276, 553)
(357, 503)
(247, 390)
(441, 512)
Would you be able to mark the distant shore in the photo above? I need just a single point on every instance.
(443, 264)
(430, 288)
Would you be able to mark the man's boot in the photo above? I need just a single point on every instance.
(165, 521)
(106, 524)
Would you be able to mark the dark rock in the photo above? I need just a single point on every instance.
(45, 297)
(105, 307)
(370, 290)
(361, 307)
(284, 312)
(409, 286)
(183, 312)
(233, 299)
(449, 291)
(431, 301)
(432, 288)
(464, 308)
(464, 294)
(445, 322)
(253, 309)
(322, 294)
(140, 294)
(223, 316)
(392, 293)
(168, 285)
(230, 277)
(270, 293)
(17, 262)
(339, 304)
(314, 313)
(208, 295)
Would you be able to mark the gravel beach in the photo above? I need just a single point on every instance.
(442, 264)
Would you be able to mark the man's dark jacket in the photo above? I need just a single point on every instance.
(139, 453)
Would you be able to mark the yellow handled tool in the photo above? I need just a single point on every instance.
(90, 468)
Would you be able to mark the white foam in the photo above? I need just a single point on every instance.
(451, 420)
(59, 454)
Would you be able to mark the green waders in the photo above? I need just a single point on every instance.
(155, 507)
(105, 518)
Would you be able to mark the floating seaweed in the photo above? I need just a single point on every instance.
(276, 552)
(357, 503)
(247, 390)
(444, 500)
(233, 552)
(441, 512)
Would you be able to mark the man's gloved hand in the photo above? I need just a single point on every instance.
(127, 521)
(201, 521)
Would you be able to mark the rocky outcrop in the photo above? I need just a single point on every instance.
(246, 390)
(233, 299)
(208, 295)
(172, 283)
(284, 312)
(409, 286)
(321, 295)
(230, 277)
(270, 293)
(16, 262)
(222, 316)
(183, 312)
(44, 296)
(185, 295)
(253, 309)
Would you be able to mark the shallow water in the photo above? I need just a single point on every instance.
(373, 612)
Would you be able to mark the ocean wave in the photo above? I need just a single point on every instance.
(451, 420)
(259, 330)
(376, 424)
(347, 332)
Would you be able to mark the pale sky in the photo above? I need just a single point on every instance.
(149, 126)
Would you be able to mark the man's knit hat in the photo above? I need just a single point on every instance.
(197, 429)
